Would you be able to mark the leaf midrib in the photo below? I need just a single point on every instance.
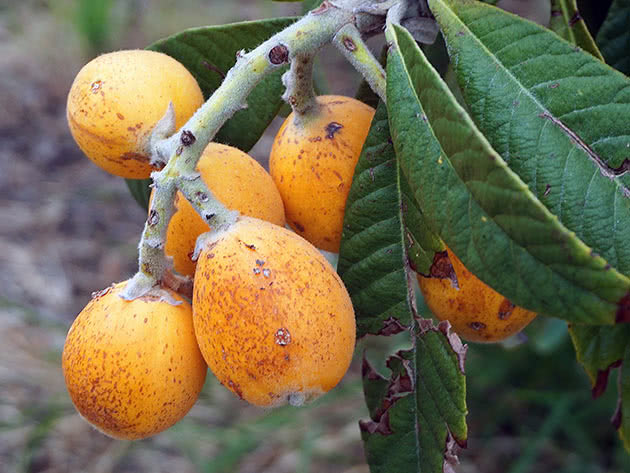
(471, 197)
(526, 91)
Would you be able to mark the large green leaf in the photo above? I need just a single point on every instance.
(557, 115)
(417, 415)
(210, 52)
(568, 24)
(481, 209)
(613, 37)
(418, 411)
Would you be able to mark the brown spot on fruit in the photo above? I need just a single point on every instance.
(282, 337)
(505, 309)
(475, 311)
(477, 325)
(299, 226)
(442, 268)
(96, 86)
(332, 128)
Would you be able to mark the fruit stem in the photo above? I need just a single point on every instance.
(348, 40)
(298, 81)
(204, 202)
(299, 40)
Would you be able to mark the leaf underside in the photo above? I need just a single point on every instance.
(381, 225)
(419, 410)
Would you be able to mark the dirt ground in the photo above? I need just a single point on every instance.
(68, 229)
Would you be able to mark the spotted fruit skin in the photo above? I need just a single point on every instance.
(273, 319)
(239, 183)
(312, 162)
(117, 98)
(476, 311)
(133, 369)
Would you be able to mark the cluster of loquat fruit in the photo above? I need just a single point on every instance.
(269, 315)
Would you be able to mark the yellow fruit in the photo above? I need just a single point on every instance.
(312, 162)
(239, 182)
(117, 98)
(133, 369)
(476, 311)
(273, 319)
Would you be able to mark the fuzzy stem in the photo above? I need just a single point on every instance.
(152, 260)
(204, 202)
(298, 81)
(308, 34)
(348, 40)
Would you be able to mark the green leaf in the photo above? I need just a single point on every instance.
(418, 414)
(481, 209)
(557, 116)
(210, 52)
(371, 260)
(613, 37)
(140, 190)
(567, 23)
(380, 226)
(415, 414)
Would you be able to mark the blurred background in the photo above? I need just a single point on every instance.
(68, 229)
